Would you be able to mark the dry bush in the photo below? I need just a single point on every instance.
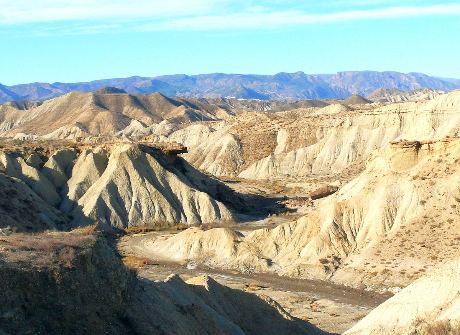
(445, 327)
(134, 262)
(46, 248)
(157, 227)
(86, 230)
(179, 227)
(140, 229)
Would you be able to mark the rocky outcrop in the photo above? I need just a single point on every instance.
(16, 166)
(62, 283)
(213, 150)
(136, 189)
(123, 184)
(430, 305)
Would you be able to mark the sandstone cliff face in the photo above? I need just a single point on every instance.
(212, 150)
(384, 228)
(431, 302)
(315, 140)
(341, 139)
(121, 185)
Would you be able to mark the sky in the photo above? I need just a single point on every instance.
(82, 40)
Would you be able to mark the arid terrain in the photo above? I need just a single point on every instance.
(143, 214)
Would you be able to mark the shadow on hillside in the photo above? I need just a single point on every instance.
(247, 204)
(91, 291)
(22, 210)
(207, 308)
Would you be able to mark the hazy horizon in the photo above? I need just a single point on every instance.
(75, 41)
(224, 73)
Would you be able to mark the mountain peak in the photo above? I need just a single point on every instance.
(110, 90)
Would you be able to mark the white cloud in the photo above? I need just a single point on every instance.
(287, 18)
(33, 11)
(97, 16)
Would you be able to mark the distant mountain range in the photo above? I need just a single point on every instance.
(281, 86)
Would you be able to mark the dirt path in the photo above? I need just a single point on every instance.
(331, 307)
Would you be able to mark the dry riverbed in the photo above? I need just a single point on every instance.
(332, 308)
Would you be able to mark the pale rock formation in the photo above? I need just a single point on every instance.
(22, 210)
(34, 178)
(380, 229)
(88, 168)
(347, 138)
(136, 188)
(395, 95)
(68, 132)
(58, 166)
(25, 137)
(281, 141)
(121, 184)
(138, 130)
(213, 150)
(218, 244)
(433, 298)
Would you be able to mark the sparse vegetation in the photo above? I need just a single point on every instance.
(160, 226)
(446, 327)
(135, 262)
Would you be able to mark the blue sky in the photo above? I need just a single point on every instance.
(80, 40)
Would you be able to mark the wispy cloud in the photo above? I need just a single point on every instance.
(33, 11)
(289, 18)
(97, 16)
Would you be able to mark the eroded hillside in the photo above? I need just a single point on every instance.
(318, 141)
(383, 229)
(430, 305)
(360, 194)
(74, 283)
(235, 138)
(120, 184)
